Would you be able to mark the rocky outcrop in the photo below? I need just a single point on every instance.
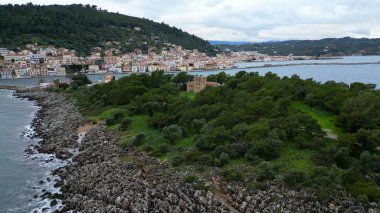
(56, 122)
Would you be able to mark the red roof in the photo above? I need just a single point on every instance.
(212, 84)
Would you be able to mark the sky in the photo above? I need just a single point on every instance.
(251, 20)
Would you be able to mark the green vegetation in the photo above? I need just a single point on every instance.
(250, 129)
(328, 46)
(325, 119)
(83, 27)
(78, 80)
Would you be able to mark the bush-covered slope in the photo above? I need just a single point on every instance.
(250, 129)
(82, 27)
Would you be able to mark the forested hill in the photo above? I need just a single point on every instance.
(328, 46)
(82, 27)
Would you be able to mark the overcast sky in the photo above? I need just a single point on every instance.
(251, 20)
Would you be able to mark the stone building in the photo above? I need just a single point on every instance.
(198, 84)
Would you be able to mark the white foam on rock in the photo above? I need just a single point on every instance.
(50, 162)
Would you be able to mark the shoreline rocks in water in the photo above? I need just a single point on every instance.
(105, 177)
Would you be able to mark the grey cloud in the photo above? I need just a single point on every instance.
(253, 20)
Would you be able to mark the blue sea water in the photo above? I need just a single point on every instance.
(367, 73)
(21, 173)
(15, 170)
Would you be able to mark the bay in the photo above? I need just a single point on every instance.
(315, 69)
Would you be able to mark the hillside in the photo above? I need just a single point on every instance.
(250, 130)
(328, 46)
(217, 42)
(82, 27)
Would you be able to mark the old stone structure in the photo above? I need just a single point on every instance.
(198, 84)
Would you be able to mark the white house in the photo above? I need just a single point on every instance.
(93, 68)
(35, 58)
(3, 51)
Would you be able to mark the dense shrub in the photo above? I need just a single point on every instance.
(224, 159)
(177, 160)
(205, 160)
(203, 143)
(265, 171)
(197, 124)
(110, 121)
(190, 178)
(139, 139)
(342, 158)
(118, 116)
(233, 175)
(125, 124)
(172, 133)
(294, 177)
(79, 79)
(267, 149)
(160, 150)
(362, 198)
(159, 120)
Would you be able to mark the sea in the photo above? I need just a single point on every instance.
(345, 69)
(24, 178)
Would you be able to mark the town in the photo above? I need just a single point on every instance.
(37, 61)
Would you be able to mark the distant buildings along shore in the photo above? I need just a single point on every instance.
(37, 61)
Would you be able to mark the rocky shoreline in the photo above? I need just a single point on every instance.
(106, 177)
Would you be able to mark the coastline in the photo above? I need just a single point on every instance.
(103, 176)
(269, 65)
(54, 149)
(309, 64)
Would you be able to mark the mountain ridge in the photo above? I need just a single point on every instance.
(327, 46)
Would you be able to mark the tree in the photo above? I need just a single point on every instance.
(267, 149)
(224, 159)
(181, 79)
(203, 143)
(294, 177)
(365, 160)
(368, 139)
(159, 120)
(220, 77)
(342, 157)
(172, 133)
(361, 111)
(151, 107)
(361, 86)
(197, 124)
(80, 80)
(265, 171)
(239, 130)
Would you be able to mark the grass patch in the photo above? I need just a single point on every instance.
(104, 113)
(189, 95)
(363, 186)
(325, 119)
(293, 158)
(140, 125)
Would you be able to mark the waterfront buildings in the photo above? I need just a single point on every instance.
(52, 61)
